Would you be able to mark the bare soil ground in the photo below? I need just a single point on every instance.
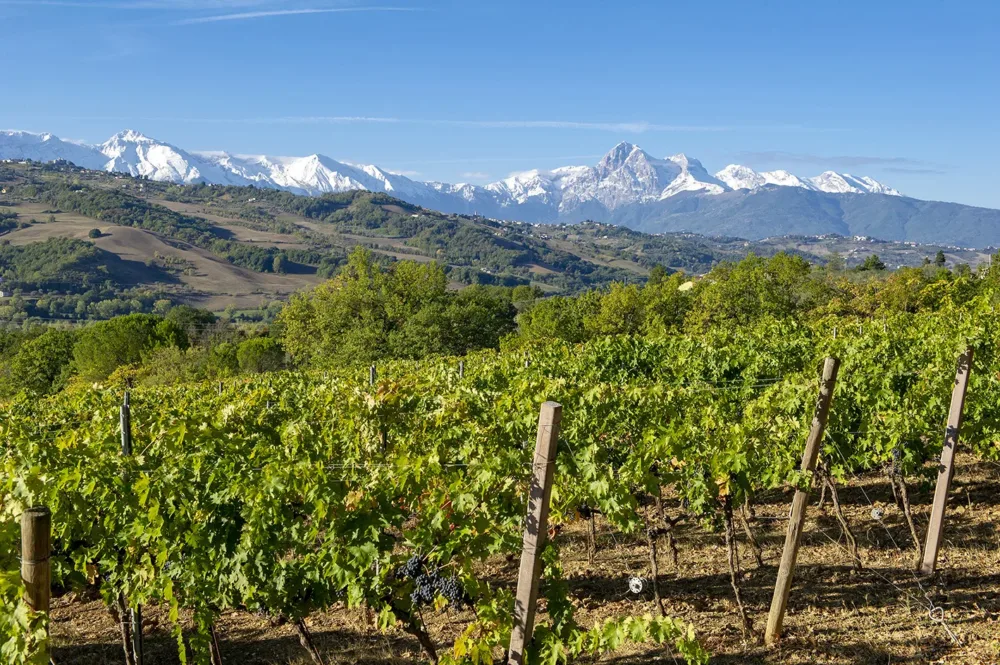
(835, 616)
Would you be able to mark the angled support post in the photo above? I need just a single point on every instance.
(535, 531)
(783, 585)
(946, 469)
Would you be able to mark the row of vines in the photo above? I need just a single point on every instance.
(293, 492)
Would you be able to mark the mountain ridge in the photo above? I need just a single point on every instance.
(625, 175)
(628, 186)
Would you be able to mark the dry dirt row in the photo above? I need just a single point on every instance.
(879, 616)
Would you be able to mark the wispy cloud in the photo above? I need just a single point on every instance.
(899, 164)
(620, 127)
(144, 4)
(309, 120)
(638, 127)
(916, 171)
(251, 9)
(244, 16)
(344, 119)
(626, 127)
(475, 175)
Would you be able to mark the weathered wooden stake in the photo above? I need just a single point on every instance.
(371, 375)
(535, 530)
(461, 369)
(134, 614)
(36, 538)
(946, 470)
(783, 585)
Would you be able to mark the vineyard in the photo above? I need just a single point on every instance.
(293, 493)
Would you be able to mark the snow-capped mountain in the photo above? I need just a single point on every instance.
(628, 186)
(843, 183)
(131, 152)
(48, 148)
(744, 177)
(625, 176)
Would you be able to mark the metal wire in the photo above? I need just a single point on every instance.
(932, 609)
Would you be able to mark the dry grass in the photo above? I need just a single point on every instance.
(835, 616)
(212, 283)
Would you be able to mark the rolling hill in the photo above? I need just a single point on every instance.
(133, 241)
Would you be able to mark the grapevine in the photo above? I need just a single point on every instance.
(290, 492)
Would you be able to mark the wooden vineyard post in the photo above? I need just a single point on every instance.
(461, 369)
(371, 375)
(947, 469)
(134, 614)
(783, 585)
(36, 538)
(535, 530)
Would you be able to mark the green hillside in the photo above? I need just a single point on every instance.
(91, 244)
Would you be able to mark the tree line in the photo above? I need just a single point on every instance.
(407, 310)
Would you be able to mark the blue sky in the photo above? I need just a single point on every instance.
(907, 92)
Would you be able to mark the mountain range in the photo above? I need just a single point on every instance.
(627, 187)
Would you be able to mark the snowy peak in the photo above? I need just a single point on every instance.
(618, 156)
(692, 178)
(845, 183)
(633, 176)
(129, 136)
(628, 174)
(138, 155)
(48, 148)
(685, 162)
(737, 176)
(741, 177)
(874, 186)
(629, 167)
(783, 178)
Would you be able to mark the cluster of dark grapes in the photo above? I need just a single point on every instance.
(412, 568)
(451, 588)
(428, 584)
(424, 589)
